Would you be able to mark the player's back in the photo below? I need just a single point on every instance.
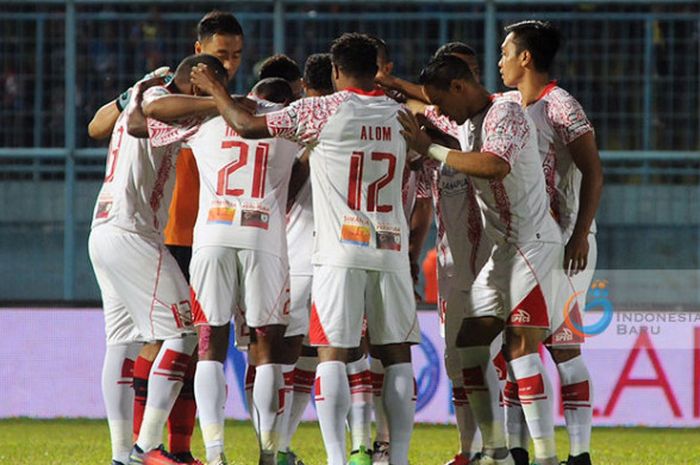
(356, 171)
(137, 185)
(243, 189)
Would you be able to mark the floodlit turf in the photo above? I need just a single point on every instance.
(86, 442)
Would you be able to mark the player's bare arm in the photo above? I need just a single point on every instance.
(169, 108)
(411, 90)
(300, 174)
(480, 164)
(235, 111)
(584, 152)
(136, 121)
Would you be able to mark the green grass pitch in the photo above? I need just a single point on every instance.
(86, 442)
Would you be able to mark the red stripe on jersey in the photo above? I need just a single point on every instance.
(531, 311)
(197, 313)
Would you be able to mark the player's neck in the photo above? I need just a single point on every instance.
(366, 85)
(531, 87)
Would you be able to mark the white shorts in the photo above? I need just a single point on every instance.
(570, 302)
(144, 294)
(248, 285)
(343, 296)
(517, 284)
(300, 308)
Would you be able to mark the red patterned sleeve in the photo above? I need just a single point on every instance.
(161, 133)
(303, 120)
(442, 122)
(505, 131)
(567, 117)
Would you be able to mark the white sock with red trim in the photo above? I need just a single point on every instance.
(360, 416)
(304, 375)
(400, 404)
(118, 395)
(535, 394)
(268, 398)
(332, 407)
(516, 426)
(377, 377)
(469, 439)
(210, 394)
(483, 389)
(577, 396)
(164, 384)
(288, 375)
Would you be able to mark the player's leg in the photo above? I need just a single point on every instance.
(483, 324)
(336, 320)
(142, 369)
(304, 376)
(297, 331)
(265, 292)
(183, 415)
(360, 415)
(215, 290)
(393, 327)
(528, 296)
(380, 447)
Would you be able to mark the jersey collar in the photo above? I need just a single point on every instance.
(546, 90)
(371, 93)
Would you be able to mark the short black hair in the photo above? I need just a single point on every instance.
(454, 47)
(382, 47)
(182, 73)
(317, 72)
(274, 89)
(280, 66)
(355, 54)
(541, 38)
(218, 22)
(442, 70)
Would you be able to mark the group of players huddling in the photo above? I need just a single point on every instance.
(303, 208)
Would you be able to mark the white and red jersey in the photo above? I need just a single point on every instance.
(139, 180)
(357, 165)
(515, 209)
(461, 244)
(300, 232)
(560, 120)
(243, 188)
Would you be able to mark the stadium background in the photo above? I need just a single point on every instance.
(634, 66)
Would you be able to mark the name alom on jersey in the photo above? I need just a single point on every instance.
(375, 133)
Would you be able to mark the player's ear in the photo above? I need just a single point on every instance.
(457, 86)
(389, 67)
(336, 72)
(525, 58)
(197, 48)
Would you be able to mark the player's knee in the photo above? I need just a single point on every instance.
(561, 355)
(522, 341)
(394, 354)
(213, 342)
(269, 343)
(150, 351)
(478, 331)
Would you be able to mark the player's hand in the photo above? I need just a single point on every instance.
(576, 254)
(161, 72)
(204, 79)
(415, 137)
(384, 79)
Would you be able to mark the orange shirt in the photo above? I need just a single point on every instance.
(430, 291)
(185, 202)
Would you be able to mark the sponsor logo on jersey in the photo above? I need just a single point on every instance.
(355, 232)
(255, 218)
(103, 209)
(520, 317)
(389, 240)
(221, 212)
(565, 335)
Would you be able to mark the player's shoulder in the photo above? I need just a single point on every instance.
(560, 99)
(505, 108)
(511, 95)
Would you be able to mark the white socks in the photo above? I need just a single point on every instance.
(518, 432)
(400, 404)
(360, 417)
(118, 394)
(332, 407)
(210, 394)
(535, 394)
(482, 386)
(577, 397)
(377, 376)
(304, 375)
(268, 396)
(164, 384)
(288, 376)
(469, 440)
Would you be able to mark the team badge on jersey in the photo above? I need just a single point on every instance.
(255, 216)
(104, 206)
(355, 231)
(388, 238)
(221, 212)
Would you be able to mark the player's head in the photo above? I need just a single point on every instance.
(449, 83)
(463, 51)
(354, 57)
(384, 62)
(529, 45)
(181, 80)
(275, 90)
(281, 66)
(317, 75)
(220, 34)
